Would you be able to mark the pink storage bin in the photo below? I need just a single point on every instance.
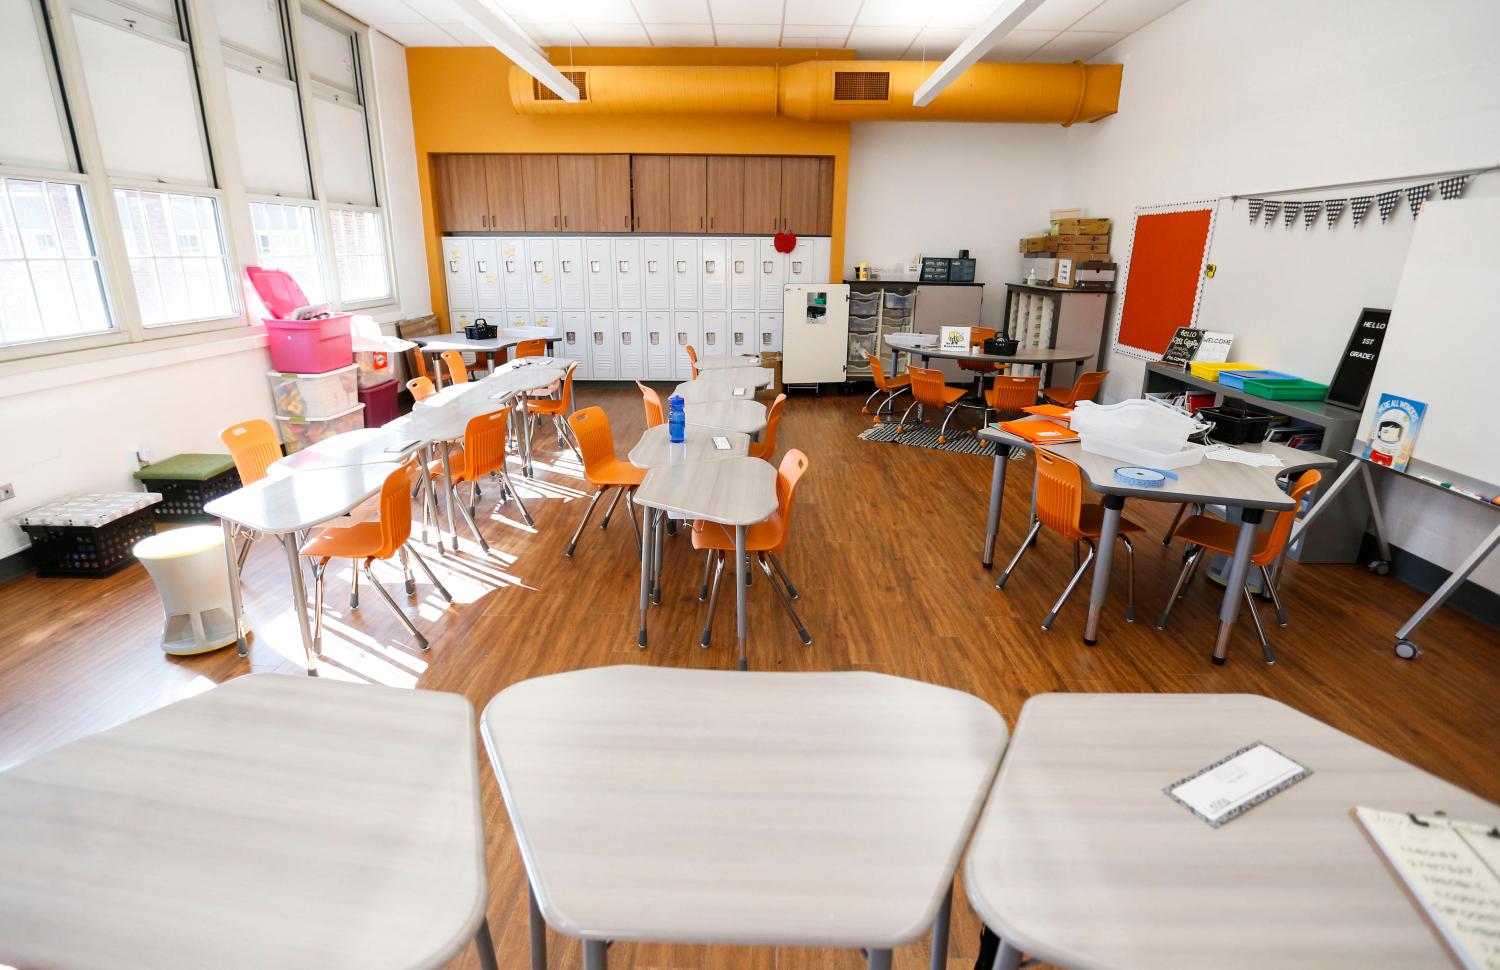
(299, 346)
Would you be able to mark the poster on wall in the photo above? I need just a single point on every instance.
(1163, 276)
(1395, 425)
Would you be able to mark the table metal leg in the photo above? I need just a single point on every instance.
(484, 945)
(647, 545)
(595, 955)
(299, 597)
(878, 960)
(659, 529)
(940, 932)
(1234, 585)
(437, 369)
(234, 588)
(1108, 530)
(526, 434)
(739, 596)
(452, 496)
(538, 930)
(997, 498)
(1454, 580)
(1008, 957)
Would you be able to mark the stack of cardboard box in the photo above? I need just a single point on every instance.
(1071, 242)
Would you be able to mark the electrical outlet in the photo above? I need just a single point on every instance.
(7, 492)
(145, 456)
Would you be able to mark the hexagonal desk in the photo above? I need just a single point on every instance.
(756, 809)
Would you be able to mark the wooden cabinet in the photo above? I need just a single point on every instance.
(724, 197)
(506, 191)
(577, 193)
(825, 197)
(688, 181)
(543, 205)
(459, 185)
(799, 196)
(651, 192)
(612, 189)
(762, 195)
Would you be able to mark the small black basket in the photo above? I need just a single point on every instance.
(182, 499)
(1235, 423)
(479, 330)
(84, 550)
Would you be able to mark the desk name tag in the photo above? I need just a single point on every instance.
(1235, 784)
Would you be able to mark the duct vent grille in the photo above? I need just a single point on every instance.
(861, 85)
(540, 92)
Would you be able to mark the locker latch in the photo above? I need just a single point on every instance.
(739, 266)
(796, 266)
(625, 337)
(510, 266)
(713, 338)
(682, 266)
(567, 266)
(572, 337)
(681, 339)
(536, 265)
(655, 339)
(710, 266)
(453, 266)
(766, 267)
(594, 266)
(598, 339)
(739, 339)
(651, 265)
(484, 265)
(624, 265)
(765, 338)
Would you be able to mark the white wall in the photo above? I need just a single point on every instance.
(1223, 97)
(936, 188)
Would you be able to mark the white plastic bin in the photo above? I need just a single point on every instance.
(315, 395)
(298, 433)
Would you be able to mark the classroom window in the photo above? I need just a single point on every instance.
(286, 238)
(34, 128)
(359, 261)
(50, 284)
(264, 104)
(331, 54)
(178, 261)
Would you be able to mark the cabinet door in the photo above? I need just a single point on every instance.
(599, 271)
(742, 332)
(507, 193)
(687, 275)
(602, 345)
(539, 181)
(688, 175)
(577, 193)
(651, 193)
(541, 265)
(515, 274)
(631, 343)
(799, 195)
(656, 260)
(715, 334)
(770, 274)
(724, 195)
(825, 197)
(462, 202)
(575, 340)
(762, 195)
(715, 261)
(487, 289)
(629, 274)
(659, 342)
(571, 278)
(612, 189)
(686, 332)
(770, 332)
(458, 273)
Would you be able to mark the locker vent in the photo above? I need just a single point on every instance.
(861, 85)
(541, 93)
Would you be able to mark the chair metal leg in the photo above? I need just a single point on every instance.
(437, 583)
(1129, 579)
(468, 517)
(866, 408)
(708, 572)
(239, 565)
(473, 497)
(1189, 559)
(611, 510)
(593, 501)
(1192, 573)
(786, 601)
(889, 404)
(943, 431)
(630, 514)
(901, 425)
(1025, 544)
(354, 588)
(1166, 539)
(1265, 575)
(411, 581)
(510, 493)
(400, 613)
(1072, 583)
(713, 599)
(318, 571)
(787, 580)
(1265, 645)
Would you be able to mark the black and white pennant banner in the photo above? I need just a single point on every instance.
(1289, 214)
(1387, 203)
(1358, 207)
(1310, 212)
(1272, 208)
(1334, 208)
(1255, 205)
(1416, 195)
(1453, 187)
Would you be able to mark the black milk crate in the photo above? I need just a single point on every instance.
(86, 550)
(182, 500)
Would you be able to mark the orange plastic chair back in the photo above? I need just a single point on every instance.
(1013, 393)
(564, 402)
(651, 401)
(421, 388)
(1087, 386)
(977, 337)
(878, 373)
(692, 356)
(457, 372)
(788, 474)
(531, 348)
(766, 446)
(596, 443)
(1059, 494)
(1274, 540)
(254, 446)
(927, 386)
(484, 444)
(395, 509)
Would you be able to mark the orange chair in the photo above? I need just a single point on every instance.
(421, 388)
(766, 446)
(1204, 533)
(1059, 506)
(692, 356)
(889, 386)
(1083, 389)
(457, 372)
(764, 540)
(382, 538)
(482, 453)
(604, 471)
(531, 348)
(558, 407)
(1008, 395)
(254, 447)
(651, 401)
(929, 390)
(977, 337)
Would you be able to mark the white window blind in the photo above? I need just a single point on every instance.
(252, 26)
(177, 257)
(286, 238)
(268, 134)
(344, 149)
(50, 286)
(33, 125)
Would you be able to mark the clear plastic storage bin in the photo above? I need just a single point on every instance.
(298, 433)
(314, 395)
(375, 367)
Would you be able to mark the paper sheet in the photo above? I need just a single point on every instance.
(1255, 459)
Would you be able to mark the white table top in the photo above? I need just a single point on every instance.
(746, 417)
(704, 806)
(1081, 860)
(509, 383)
(655, 447)
(738, 376)
(735, 491)
(363, 446)
(705, 390)
(504, 338)
(718, 363)
(273, 821)
(277, 505)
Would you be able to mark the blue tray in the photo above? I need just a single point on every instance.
(1236, 378)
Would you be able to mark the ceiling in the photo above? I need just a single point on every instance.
(1059, 30)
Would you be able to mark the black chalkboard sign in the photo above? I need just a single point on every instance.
(1183, 346)
(1351, 382)
(934, 269)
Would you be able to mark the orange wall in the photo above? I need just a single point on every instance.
(460, 102)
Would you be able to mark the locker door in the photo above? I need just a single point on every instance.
(629, 274)
(570, 274)
(687, 331)
(599, 272)
(487, 290)
(742, 274)
(715, 274)
(770, 274)
(518, 318)
(632, 342)
(656, 258)
(715, 334)
(822, 252)
(458, 272)
(457, 320)
(602, 345)
(514, 276)
(770, 331)
(659, 341)
(575, 340)
(686, 274)
(541, 264)
(545, 318)
(799, 262)
(742, 331)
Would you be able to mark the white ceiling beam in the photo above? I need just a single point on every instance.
(506, 36)
(1005, 19)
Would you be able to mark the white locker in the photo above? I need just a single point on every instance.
(599, 269)
(822, 252)
(687, 332)
(770, 274)
(570, 274)
(715, 257)
(458, 273)
(742, 330)
(487, 294)
(458, 319)
(656, 259)
(545, 318)
(518, 318)
(631, 329)
(659, 343)
(575, 340)
(541, 263)
(514, 275)
(799, 262)
(603, 342)
(629, 275)
(715, 334)
(769, 331)
(742, 274)
(686, 274)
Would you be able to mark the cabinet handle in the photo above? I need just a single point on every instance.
(565, 222)
(554, 222)
(700, 222)
(710, 222)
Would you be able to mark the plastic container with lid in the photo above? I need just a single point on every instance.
(298, 433)
(299, 346)
(314, 395)
(381, 403)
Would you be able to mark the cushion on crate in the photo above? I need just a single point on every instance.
(186, 468)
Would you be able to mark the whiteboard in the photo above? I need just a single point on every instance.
(1443, 344)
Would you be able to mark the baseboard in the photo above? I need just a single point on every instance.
(1470, 599)
(16, 564)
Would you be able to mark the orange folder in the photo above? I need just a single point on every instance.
(1039, 432)
(1049, 410)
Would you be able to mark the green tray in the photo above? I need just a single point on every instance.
(1286, 390)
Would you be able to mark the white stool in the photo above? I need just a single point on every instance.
(187, 566)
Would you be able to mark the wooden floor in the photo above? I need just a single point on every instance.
(885, 552)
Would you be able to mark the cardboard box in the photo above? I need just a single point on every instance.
(1073, 227)
(1099, 249)
(1082, 239)
(1037, 244)
(1065, 269)
(1056, 216)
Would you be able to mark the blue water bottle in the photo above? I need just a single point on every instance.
(676, 420)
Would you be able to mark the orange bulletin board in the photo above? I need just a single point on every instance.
(1163, 278)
